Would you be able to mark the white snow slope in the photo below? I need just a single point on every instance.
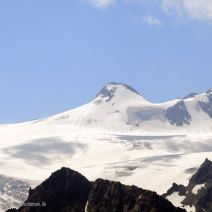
(118, 136)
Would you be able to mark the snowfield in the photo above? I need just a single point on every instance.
(118, 136)
(152, 162)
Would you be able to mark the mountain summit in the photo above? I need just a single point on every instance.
(118, 92)
(110, 89)
(119, 107)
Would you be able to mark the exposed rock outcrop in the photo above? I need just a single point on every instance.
(68, 191)
(198, 193)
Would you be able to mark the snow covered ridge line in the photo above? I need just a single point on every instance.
(119, 107)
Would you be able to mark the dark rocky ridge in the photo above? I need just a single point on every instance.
(202, 200)
(181, 189)
(68, 191)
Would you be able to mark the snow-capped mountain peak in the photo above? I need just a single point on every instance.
(119, 107)
(117, 92)
(110, 89)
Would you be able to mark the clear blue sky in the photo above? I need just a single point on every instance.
(56, 55)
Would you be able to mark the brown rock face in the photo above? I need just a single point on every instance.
(68, 191)
(64, 190)
(113, 196)
(202, 199)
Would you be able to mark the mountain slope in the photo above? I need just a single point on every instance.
(67, 190)
(119, 107)
(119, 136)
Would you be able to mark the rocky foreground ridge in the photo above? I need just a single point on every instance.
(197, 195)
(68, 191)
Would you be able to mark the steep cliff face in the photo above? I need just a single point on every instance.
(64, 190)
(198, 193)
(68, 191)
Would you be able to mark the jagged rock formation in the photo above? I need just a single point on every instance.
(68, 191)
(181, 189)
(198, 193)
